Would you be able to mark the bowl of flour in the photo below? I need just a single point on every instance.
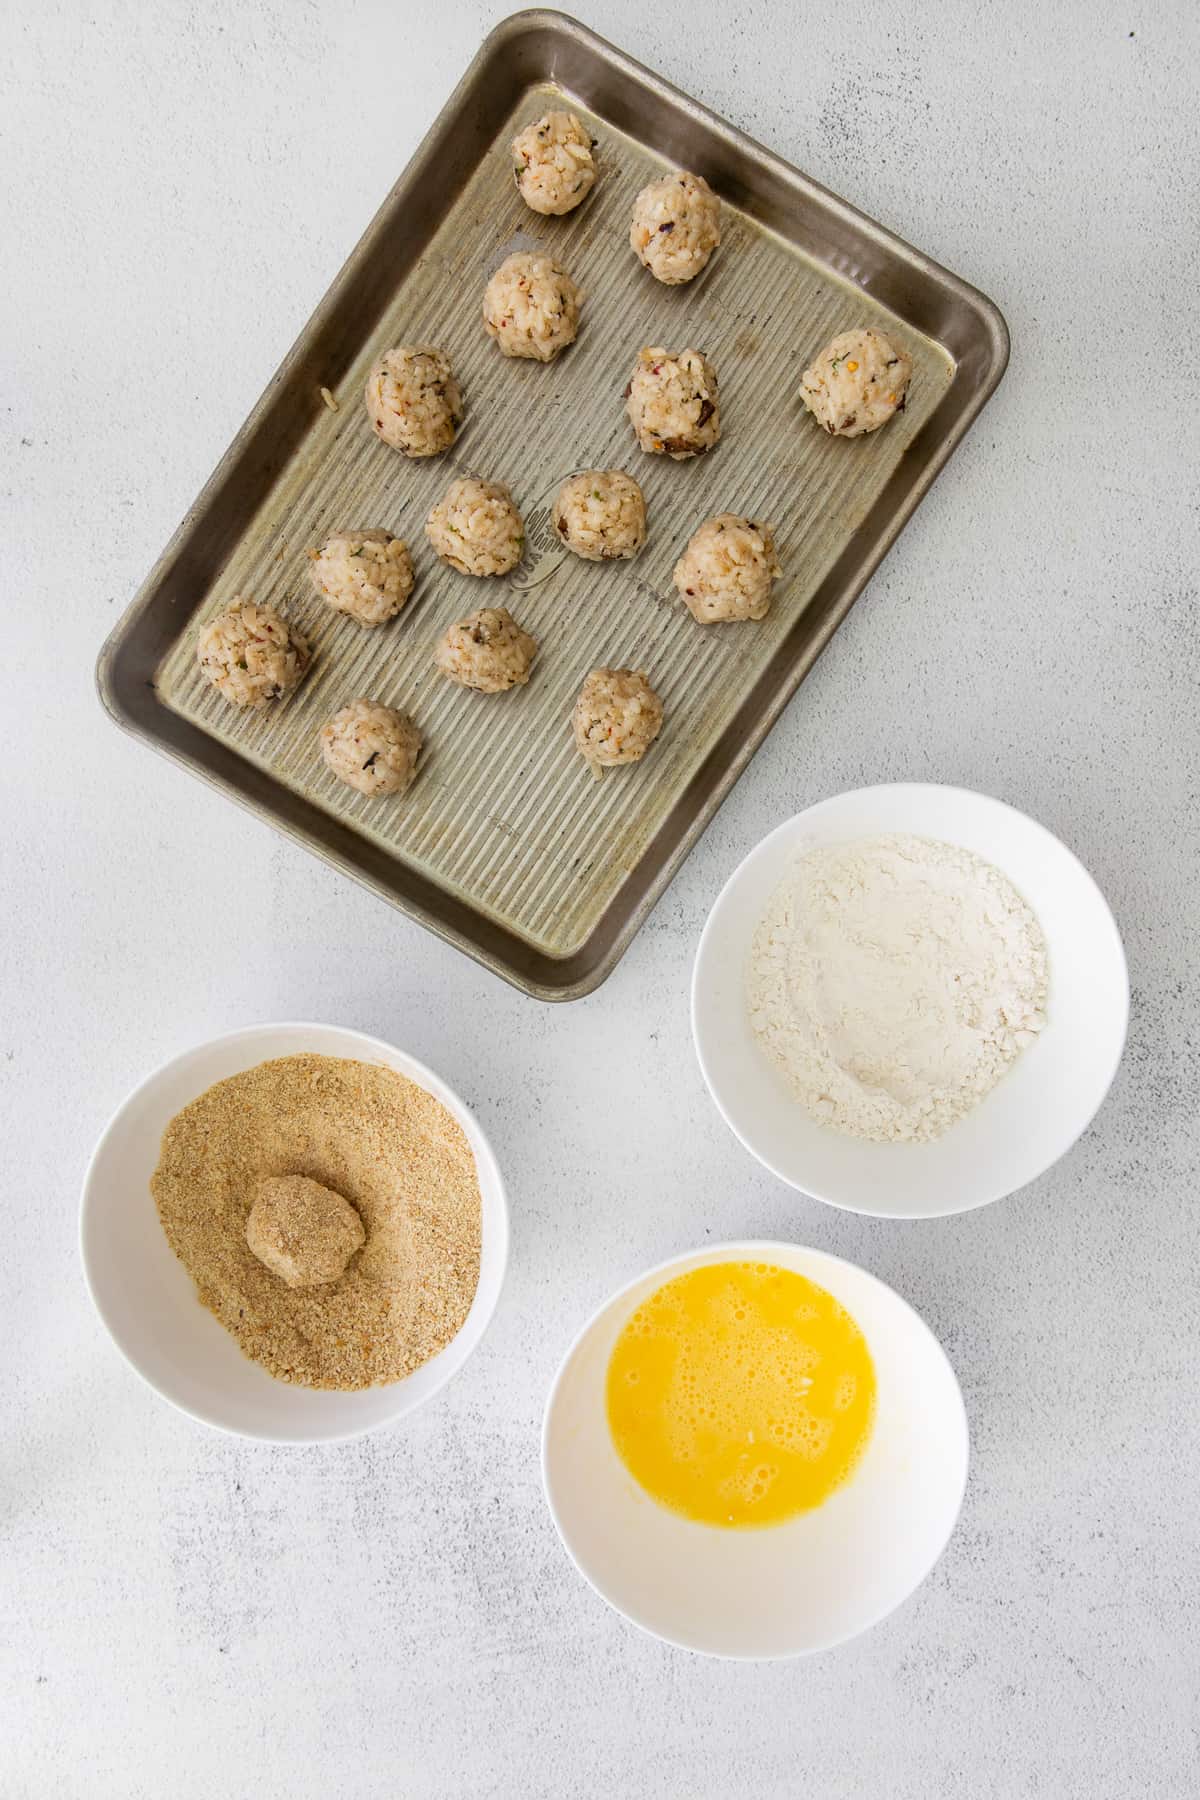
(909, 1000)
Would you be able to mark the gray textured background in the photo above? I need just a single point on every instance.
(185, 1615)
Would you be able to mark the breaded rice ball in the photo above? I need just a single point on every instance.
(728, 569)
(367, 575)
(487, 651)
(477, 528)
(600, 514)
(372, 748)
(672, 403)
(531, 307)
(856, 384)
(413, 400)
(676, 227)
(252, 655)
(552, 161)
(302, 1231)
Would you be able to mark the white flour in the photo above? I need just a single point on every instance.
(893, 981)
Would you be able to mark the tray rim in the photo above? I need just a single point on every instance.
(987, 316)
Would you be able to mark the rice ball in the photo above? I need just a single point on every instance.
(252, 655)
(303, 1232)
(676, 227)
(552, 161)
(365, 574)
(857, 382)
(617, 717)
(413, 401)
(672, 403)
(601, 514)
(372, 748)
(727, 570)
(531, 307)
(487, 651)
(477, 528)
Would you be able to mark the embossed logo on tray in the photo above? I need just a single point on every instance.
(544, 550)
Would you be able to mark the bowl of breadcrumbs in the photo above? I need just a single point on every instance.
(295, 1232)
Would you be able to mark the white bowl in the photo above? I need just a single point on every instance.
(148, 1302)
(1030, 1118)
(789, 1589)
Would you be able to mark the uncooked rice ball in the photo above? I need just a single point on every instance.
(252, 655)
(487, 650)
(601, 514)
(617, 717)
(372, 748)
(531, 307)
(301, 1231)
(477, 528)
(676, 226)
(365, 574)
(672, 403)
(859, 380)
(727, 570)
(552, 161)
(413, 400)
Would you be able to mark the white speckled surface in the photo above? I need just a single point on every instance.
(185, 1615)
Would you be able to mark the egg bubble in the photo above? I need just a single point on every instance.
(812, 1435)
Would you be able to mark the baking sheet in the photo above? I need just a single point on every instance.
(505, 843)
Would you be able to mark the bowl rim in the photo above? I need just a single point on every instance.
(435, 1084)
(744, 1249)
(988, 1194)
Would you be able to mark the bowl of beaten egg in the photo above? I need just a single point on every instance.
(755, 1450)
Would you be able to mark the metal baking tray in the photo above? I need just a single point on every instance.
(506, 845)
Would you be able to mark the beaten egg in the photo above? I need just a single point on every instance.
(740, 1394)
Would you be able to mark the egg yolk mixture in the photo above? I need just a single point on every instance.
(740, 1394)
